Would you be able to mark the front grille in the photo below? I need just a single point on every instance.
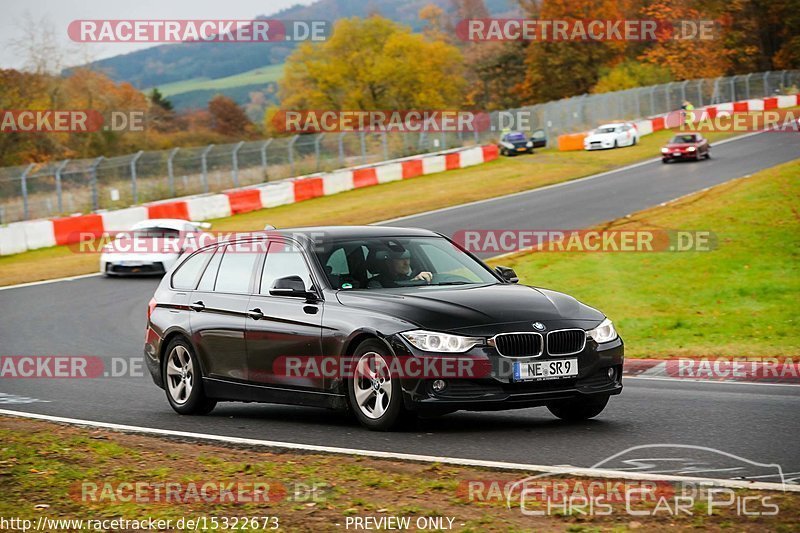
(519, 344)
(566, 341)
(143, 269)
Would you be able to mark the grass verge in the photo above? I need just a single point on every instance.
(736, 300)
(381, 202)
(63, 472)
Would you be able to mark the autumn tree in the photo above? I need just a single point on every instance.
(567, 68)
(437, 24)
(686, 58)
(228, 119)
(630, 74)
(373, 64)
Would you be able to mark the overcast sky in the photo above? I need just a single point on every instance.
(60, 13)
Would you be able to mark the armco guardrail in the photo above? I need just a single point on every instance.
(63, 187)
(30, 235)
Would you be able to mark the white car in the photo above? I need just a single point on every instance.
(612, 136)
(151, 246)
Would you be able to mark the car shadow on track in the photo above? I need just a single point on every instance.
(463, 422)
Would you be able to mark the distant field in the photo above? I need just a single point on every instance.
(270, 73)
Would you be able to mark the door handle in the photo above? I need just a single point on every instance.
(198, 306)
(255, 314)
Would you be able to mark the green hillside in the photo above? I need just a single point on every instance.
(261, 75)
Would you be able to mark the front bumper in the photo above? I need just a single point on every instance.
(122, 269)
(679, 155)
(598, 145)
(498, 391)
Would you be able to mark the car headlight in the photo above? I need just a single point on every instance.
(691, 149)
(665, 150)
(507, 145)
(529, 144)
(430, 341)
(604, 332)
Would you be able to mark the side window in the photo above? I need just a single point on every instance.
(337, 263)
(282, 261)
(185, 278)
(210, 275)
(236, 268)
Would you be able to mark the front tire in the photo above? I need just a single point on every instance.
(183, 380)
(578, 408)
(376, 396)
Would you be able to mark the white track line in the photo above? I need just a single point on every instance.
(500, 465)
(46, 281)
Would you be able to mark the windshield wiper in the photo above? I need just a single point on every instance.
(453, 283)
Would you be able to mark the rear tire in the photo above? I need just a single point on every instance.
(183, 380)
(375, 395)
(579, 408)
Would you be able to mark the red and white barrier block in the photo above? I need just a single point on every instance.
(21, 236)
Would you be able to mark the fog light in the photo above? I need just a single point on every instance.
(439, 385)
(612, 373)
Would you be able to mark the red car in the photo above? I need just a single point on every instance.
(686, 146)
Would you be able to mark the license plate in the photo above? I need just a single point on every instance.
(676, 153)
(521, 149)
(131, 263)
(536, 370)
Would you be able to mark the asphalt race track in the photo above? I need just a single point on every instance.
(760, 423)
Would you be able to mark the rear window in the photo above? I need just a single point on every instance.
(236, 268)
(185, 278)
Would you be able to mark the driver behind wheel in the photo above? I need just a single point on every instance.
(394, 267)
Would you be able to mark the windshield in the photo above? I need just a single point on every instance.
(681, 139)
(606, 129)
(390, 262)
(153, 233)
(516, 136)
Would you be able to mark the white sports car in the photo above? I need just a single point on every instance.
(612, 136)
(150, 247)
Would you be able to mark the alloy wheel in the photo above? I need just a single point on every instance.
(180, 374)
(372, 385)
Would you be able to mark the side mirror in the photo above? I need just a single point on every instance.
(290, 286)
(507, 274)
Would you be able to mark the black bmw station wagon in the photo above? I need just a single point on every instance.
(384, 322)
